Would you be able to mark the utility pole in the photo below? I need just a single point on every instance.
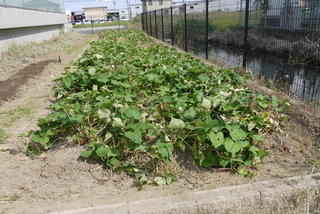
(129, 9)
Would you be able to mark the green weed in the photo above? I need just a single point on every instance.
(3, 136)
(12, 116)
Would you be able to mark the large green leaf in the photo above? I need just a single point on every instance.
(232, 146)
(134, 136)
(133, 113)
(176, 124)
(190, 113)
(216, 139)
(209, 160)
(236, 132)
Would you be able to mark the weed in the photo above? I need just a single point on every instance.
(3, 135)
(12, 116)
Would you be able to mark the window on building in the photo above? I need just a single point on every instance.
(191, 7)
(137, 7)
(150, 2)
(160, 2)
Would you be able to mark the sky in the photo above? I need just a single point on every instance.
(75, 5)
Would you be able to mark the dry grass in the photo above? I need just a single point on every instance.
(32, 52)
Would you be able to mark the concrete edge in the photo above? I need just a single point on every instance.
(273, 196)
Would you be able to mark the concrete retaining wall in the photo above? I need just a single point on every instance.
(19, 26)
(20, 36)
(18, 18)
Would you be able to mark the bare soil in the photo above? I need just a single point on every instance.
(9, 87)
(59, 180)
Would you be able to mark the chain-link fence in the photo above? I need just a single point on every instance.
(279, 40)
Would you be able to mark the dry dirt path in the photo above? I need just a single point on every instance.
(59, 180)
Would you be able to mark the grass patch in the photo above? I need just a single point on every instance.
(12, 116)
(225, 20)
(3, 136)
(107, 24)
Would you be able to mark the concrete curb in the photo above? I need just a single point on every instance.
(290, 195)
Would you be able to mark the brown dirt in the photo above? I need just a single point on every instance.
(59, 180)
(9, 87)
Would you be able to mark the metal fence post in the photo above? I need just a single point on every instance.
(142, 25)
(146, 24)
(172, 35)
(155, 23)
(162, 27)
(245, 40)
(185, 29)
(207, 28)
(92, 25)
(150, 23)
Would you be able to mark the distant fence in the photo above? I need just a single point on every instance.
(286, 30)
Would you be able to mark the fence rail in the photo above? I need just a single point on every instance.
(285, 30)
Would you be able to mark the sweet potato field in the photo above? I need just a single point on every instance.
(136, 106)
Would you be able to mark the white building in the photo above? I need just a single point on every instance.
(151, 5)
(135, 9)
(121, 13)
(30, 21)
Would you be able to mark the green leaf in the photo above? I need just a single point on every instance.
(209, 160)
(142, 181)
(134, 136)
(114, 162)
(216, 139)
(160, 181)
(190, 113)
(275, 101)
(231, 146)
(170, 178)
(41, 139)
(254, 150)
(102, 151)
(133, 113)
(206, 104)
(117, 123)
(224, 162)
(104, 114)
(237, 133)
(236, 147)
(263, 104)
(86, 154)
(228, 143)
(257, 138)
(216, 125)
(176, 124)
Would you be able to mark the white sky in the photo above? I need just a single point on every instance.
(75, 5)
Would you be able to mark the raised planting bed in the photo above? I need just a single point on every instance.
(142, 108)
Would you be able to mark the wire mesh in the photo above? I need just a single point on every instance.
(196, 26)
(283, 39)
(167, 25)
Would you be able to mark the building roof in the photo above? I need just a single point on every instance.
(95, 7)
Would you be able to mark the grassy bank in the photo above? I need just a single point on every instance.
(138, 107)
(107, 24)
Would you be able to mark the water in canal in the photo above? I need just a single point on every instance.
(299, 82)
